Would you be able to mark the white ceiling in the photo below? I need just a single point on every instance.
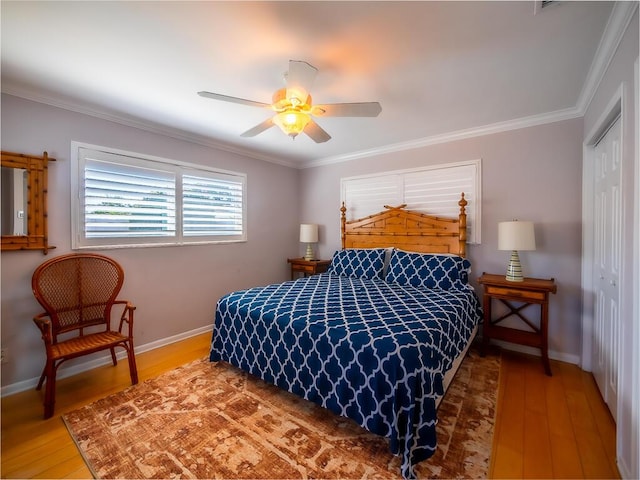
(439, 69)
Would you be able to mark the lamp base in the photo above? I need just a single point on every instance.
(308, 256)
(514, 270)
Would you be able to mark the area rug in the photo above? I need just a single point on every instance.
(210, 420)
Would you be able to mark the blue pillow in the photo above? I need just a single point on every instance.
(420, 270)
(358, 262)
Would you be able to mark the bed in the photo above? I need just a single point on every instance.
(376, 338)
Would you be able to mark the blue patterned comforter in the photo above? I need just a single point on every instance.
(372, 351)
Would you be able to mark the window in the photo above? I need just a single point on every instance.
(434, 190)
(122, 199)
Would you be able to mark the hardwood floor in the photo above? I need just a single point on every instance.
(36, 448)
(551, 427)
(546, 427)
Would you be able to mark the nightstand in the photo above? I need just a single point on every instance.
(516, 296)
(307, 267)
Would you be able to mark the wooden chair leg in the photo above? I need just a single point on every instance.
(42, 377)
(113, 356)
(133, 369)
(50, 390)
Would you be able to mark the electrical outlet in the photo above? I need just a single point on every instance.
(3, 355)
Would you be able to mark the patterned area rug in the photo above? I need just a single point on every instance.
(206, 420)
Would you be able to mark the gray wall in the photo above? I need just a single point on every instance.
(175, 289)
(529, 174)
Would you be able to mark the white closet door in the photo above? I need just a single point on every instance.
(607, 265)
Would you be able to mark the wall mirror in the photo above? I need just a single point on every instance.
(24, 202)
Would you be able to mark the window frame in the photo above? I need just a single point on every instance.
(390, 189)
(79, 240)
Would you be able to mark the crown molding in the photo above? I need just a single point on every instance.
(207, 142)
(617, 24)
(515, 124)
(147, 126)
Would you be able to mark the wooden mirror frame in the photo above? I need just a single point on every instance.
(36, 167)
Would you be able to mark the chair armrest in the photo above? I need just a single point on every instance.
(127, 315)
(43, 322)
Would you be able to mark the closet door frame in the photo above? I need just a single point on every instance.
(609, 115)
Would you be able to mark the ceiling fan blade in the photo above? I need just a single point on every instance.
(365, 109)
(261, 127)
(226, 98)
(300, 79)
(316, 133)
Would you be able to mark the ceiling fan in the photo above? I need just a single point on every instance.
(294, 108)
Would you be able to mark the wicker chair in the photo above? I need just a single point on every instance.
(78, 293)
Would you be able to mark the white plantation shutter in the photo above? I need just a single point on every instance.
(365, 196)
(123, 199)
(433, 190)
(212, 205)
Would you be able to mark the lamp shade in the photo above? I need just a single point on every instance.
(292, 122)
(516, 236)
(308, 233)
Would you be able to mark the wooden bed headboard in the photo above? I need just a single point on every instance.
(408, 230)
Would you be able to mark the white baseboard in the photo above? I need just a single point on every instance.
(103, 360)
(561, 356)
(106, 359)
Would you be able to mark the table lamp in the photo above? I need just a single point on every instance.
(515, 236)
(309, 235)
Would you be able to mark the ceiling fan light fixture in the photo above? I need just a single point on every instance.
(292, 122)
(294, 109)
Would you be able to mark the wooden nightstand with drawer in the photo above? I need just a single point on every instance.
(531, 291)
(307, 267)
